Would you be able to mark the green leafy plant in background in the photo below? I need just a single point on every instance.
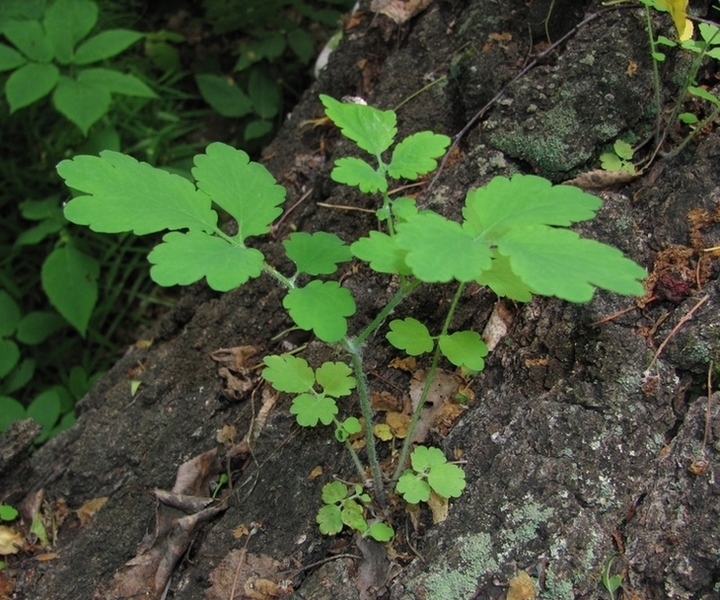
(513, 237)
(610, 582)
(55, 55)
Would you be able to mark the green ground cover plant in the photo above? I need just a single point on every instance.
(514, 238)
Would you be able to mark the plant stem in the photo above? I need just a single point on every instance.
(405, 289)
(656, 75)
(285, 281)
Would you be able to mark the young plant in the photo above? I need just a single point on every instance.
(55, 55)
(513, 238)
(620, 159)
(611, 582)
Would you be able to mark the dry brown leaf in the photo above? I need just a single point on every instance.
(399, 10)
(443, 387)
(439, 506)
(240, 531)
(11, 542)
(235, 370)
(226, 436)
(600, 179)
(501, 37)
(522, 587)
(398, 423)
(87, 511)
(250, 575)
(315, 473)
(408, 364)
(236, 359)
(447, 415)
(46, 556)
(269, 398)
(385, 401)
(498, 325)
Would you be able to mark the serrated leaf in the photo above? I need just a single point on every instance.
(116, 82)
(623, 149)
(382, 252)
(10, 409)
(244, 189)
(321, 306)
(504, 204)
(404, 208)
(335, 378)
(184, 258)
(224, 95)
(69, 278)
(356, 172)
(9, 314)
(501, 280)
(610, 161)
(45, 410)
(82, 103)
(9, 356)
(417, 154)
(334, 492)
(441, 250)
(37, 326)
(410, 335)
(329, 519)
(412, 488)
(464, 349)
(447, 480)
(288, 373)
(316, 253)
(557, 262)
(126, 195)
(30, 83)
(66, 22)
(105, 45)
(10, 59)
(371, 129)
(352, 515)
(380, 532)
(264, 93)
(423, 458)
(310, 408)
(29, 37)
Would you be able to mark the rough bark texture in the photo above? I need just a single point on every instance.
(577, 443)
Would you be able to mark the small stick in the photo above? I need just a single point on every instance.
(276, 226)
(677, 327)
(345, 207)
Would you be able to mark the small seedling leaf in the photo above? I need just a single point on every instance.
(417, 154)
(310, 408)
(504, 204)
(316, 253)
(464, 349)
(335, 378)
(126, 195)
(8, 513)
(410, 335)
(412, 488)
(288, 373)
(371, 129)
(352, 516)
(424, 458)
(688, 118)
(610, 161)
(329, 519)
(244, 189)
(501, 280)
(557, 262)
(447, 480)
(334, 492)
(184, 258)
(440, 250)
(105, 44)
(380, 532)
(623, 149)
(322, 306)
(348, 427)
(704, 94)
(356, 172)
(30, 83)
(382, 252)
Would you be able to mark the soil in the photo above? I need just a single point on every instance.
(592, 433)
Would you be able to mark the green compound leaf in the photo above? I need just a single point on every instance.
(245, 189)
(464, 349)
(321, 306)
(382, 252)
(126, 195)
(356, 172)
(371, 129)
(413, 488)
(105, 45)
(623, 149)
(440, 250)
(334, 492)
(348, 427)
(288, 373)
(184, 258)
(335, 378)
(505, 204)
(447, 480)
(30, 83)
(610, 161)
(501, 280)
(224, 95)
(116, 82)
(316, 253)
(66, 22)
(423, 458)
(404, 208)
(329, 519)
(558, 262)
(69, 278)
(352, 515)
(9, 314)
(410, 335)
(416, 154)
(82, 103)
(10, 59)
(380, 532)
(29, 37)
(309, 409)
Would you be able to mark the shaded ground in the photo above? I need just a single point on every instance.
(578, 444)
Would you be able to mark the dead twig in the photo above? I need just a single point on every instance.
(677, 327)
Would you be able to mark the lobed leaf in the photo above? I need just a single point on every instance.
(356, 172)
(288, 373)
(464, 349)
(334, 492)
(501, 280)
(417, 154)
(104, 45)
(244, 189)
(316, 253)
(352, 515)
(410, 335)
(321, 306)
(447, 480)
(557, 262)
(403, 208)
(335, 378)
(412, 488)
(504, 204)
(424, 458)
(382, 252)
(82, 103)
(440, 250)
(184, 258)
(371, 129)
(126, 195)
(329, 519)
(380, 532)
(310, 408)
(30, 83)
(348, 427)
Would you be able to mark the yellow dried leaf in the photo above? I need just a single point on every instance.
(439, 506)
(315, 473)
(408, 364)
(382, 432)
(240, 531)
(398, 423)
(10, 541)
(522, 587)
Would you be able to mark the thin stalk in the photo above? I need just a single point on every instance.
(656, 75)
(405, 290)
(277, 275)
(405, 451)
(354, 456)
